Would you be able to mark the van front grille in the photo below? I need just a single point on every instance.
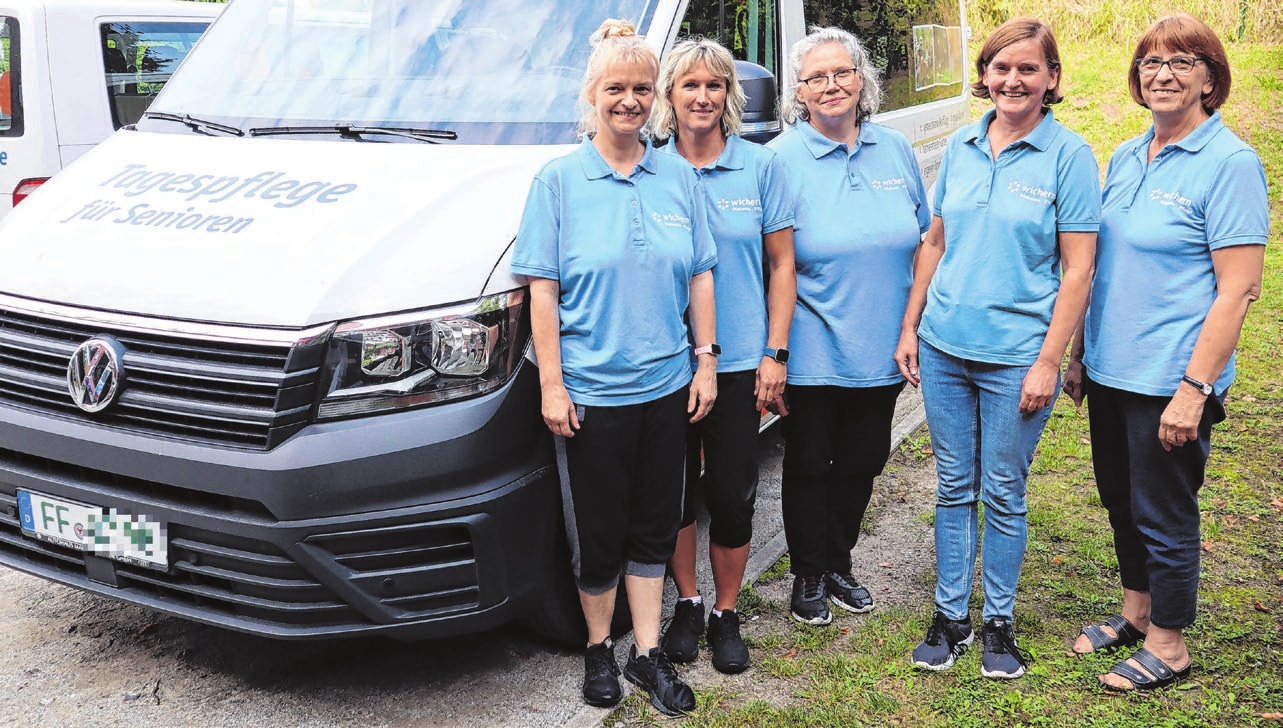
(416, 571)
(222, 390)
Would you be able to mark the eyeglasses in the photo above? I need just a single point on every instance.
(1179, 65)
(821, 82)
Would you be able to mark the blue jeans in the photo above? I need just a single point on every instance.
(983, 446)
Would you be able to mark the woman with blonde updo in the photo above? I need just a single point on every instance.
(615, 247)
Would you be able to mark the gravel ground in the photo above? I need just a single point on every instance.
(74, 659)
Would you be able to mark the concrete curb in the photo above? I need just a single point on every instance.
(761, 560)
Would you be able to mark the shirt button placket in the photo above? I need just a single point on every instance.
(639, 237)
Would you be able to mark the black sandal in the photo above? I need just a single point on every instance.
(1125, 634)
(1160, 675)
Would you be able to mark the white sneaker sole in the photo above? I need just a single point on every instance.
(997, 675)
(815, 621)
(839, 603)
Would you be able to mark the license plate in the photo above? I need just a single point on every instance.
(106, 532)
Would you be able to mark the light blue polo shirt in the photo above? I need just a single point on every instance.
(624, 249)
(1154, 276)
(860, 215)
(747, 197)
(992, 294)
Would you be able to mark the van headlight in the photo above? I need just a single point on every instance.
(424, 357)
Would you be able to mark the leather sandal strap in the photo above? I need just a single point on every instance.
(1100, 639)
(1136, 677)
(1116, 622)
(1153, 663)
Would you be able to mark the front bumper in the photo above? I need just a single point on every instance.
(426, 523)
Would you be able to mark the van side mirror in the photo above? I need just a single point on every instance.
(761, 116)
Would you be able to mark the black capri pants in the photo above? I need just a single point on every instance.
(728, 437)
(621, 488)
(1152, 496)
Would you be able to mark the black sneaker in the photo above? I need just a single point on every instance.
(601, 681)
(1002, 657)
(848, 593)
(946, 641)
(654, 673)
(681, 640)
(807, 603)
(730, 654)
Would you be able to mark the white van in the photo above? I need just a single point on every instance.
(74, 71)
(262, 361)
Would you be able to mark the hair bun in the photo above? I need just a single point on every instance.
(612, 28)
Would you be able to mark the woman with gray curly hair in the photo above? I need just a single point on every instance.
(861, 210)
(699, 106)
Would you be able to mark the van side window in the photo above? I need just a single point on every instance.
(10, 79)
(919, 46)
(138, 58)
(749, 28)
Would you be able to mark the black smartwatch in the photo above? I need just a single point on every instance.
(1203, 387)
(713, 349)
(779, 355)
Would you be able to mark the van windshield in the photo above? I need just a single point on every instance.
(487, 71)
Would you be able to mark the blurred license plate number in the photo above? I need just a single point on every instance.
(102, 531)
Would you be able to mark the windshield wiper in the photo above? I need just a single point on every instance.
(359, 133)
(202, 126)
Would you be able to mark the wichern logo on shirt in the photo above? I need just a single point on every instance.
(888, 184)
(1033, 193)
(1172, 199)
(672, 220)
(739, 204)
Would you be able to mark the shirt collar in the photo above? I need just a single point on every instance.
(1193, 141)
(731, 158)
(595, 167)
(1197, 139)
(1040, 138)
(819, 145)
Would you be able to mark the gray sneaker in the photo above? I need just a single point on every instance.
(847, 593)
(807, 604)
(946, 641)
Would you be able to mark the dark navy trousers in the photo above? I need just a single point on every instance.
(1152, 497)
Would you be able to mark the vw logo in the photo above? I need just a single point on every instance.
(94, 375)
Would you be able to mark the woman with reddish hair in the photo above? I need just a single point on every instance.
(1185, 206)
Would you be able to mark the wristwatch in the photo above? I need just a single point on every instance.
(1203, 387)
(713, 349)
(779, 355)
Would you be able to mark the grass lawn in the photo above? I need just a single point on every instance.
(859, 675)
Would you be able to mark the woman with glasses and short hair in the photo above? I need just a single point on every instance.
(615, 246)
(861, 210)
(1182, 251)
(1016, 206)
(699, 109)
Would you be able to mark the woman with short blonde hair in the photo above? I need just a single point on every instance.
(751, 216)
